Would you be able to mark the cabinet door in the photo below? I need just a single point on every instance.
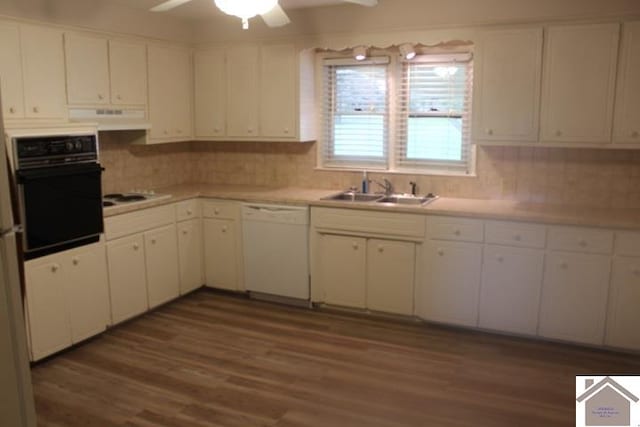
(87, 291)
(624, 316)
(128, 71)
(87, 63)
(190, 253)
(242, 91)
(161, 255)
(578, 83)
(627, 120)
(221, 262)
(169, 93)
(11, 86)
(43, 72)
(278, 82)
(342, 270)
(127, 277)
(510, 290)
(451, 285)
(390, 276)
(49, 326)
(210, 93)
(507, 88)
(574, 296)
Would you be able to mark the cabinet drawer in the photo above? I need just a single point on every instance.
(627, 243)
(580, 240)
(375, 223)
(449, 228)
(220, 209)
(188, 209)
(136, 222)
(515, 234)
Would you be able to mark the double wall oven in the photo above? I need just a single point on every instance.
(60, 192)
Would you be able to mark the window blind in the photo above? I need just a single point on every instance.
(433, 113)
(355, 113)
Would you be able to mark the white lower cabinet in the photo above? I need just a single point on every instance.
(510, 289)
(390, 276)
(127, 277)
(190, 255)
(66, 298)
(624, 315)
(451, 283)
(342, 270)
(161, 259)
(574, 296)
(220, 239)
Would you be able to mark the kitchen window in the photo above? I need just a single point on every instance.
(391, 114)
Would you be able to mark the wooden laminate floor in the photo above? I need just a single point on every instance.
(217, 360)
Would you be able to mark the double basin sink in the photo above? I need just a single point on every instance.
(396, 199)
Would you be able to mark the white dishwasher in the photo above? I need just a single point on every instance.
(276, 249)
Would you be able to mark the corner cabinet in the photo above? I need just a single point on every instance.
(507, 77)
(170, 94)
(579, 83)
(254, 93)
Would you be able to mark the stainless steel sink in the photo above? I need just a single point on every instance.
(350, 196)
(406, 200)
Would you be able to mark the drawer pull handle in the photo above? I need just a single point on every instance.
(54, 268)
(75, 261)
(355, 246)
(517, 237)
(582, 243)
(136, 247)
(440, 252)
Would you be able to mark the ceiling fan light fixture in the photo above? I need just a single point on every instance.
(408, 51)
(245, 9)
(360, 53)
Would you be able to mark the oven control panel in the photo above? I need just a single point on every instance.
(54, 150)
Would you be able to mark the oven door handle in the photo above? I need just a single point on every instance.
(25, 175)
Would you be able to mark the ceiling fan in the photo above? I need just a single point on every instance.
(271, 12)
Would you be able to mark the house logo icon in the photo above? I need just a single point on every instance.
(606, 403)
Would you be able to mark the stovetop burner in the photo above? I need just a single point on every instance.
(131, 198)
(118, 199)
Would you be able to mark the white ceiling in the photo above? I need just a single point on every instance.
(199, 9)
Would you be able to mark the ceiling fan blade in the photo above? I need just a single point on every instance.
(276, 17)
(369, 3)
(168, 5)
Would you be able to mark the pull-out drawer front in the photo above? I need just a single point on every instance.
(627, 243)
(136, 222)
(580, 240)
(220, 209)
(188, 209)
(452, 228)
(371, 222)
(515, 234)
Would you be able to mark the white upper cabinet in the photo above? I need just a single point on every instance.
(170, 89)
(507, 88)
(242, 80)
(210, 92)
(627, 118)
(87, 69)
(278, 92)
(578, 83)
(11, 85)
(128, 71)
(43, 72)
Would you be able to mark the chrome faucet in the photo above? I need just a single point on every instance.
(386, 185)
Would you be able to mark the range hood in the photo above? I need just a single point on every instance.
(111, 118)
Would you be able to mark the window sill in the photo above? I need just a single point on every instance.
(451, 174)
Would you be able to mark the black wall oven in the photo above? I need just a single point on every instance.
(60, 192)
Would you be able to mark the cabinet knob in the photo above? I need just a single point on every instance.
(355, 246)
(185, 232)
(440, 252)
(224, 229)
(118, 97)
(457, 232)
(563, 265)
(179, 131)
(635, 134)
(75, 261)
(517, 237)
(136, 246)
(153, 241)
(166, 132)
(583, 243)
(216, 211)
(489, 131)
(558, 133)
(286, 131)
(499, 258)
(189, 212)
(380, 248)
(635, 271)
(36, 109)
(216, 130)
(12, 110)
(54, 268)
(100, 96)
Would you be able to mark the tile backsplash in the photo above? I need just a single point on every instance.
(581, 177)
